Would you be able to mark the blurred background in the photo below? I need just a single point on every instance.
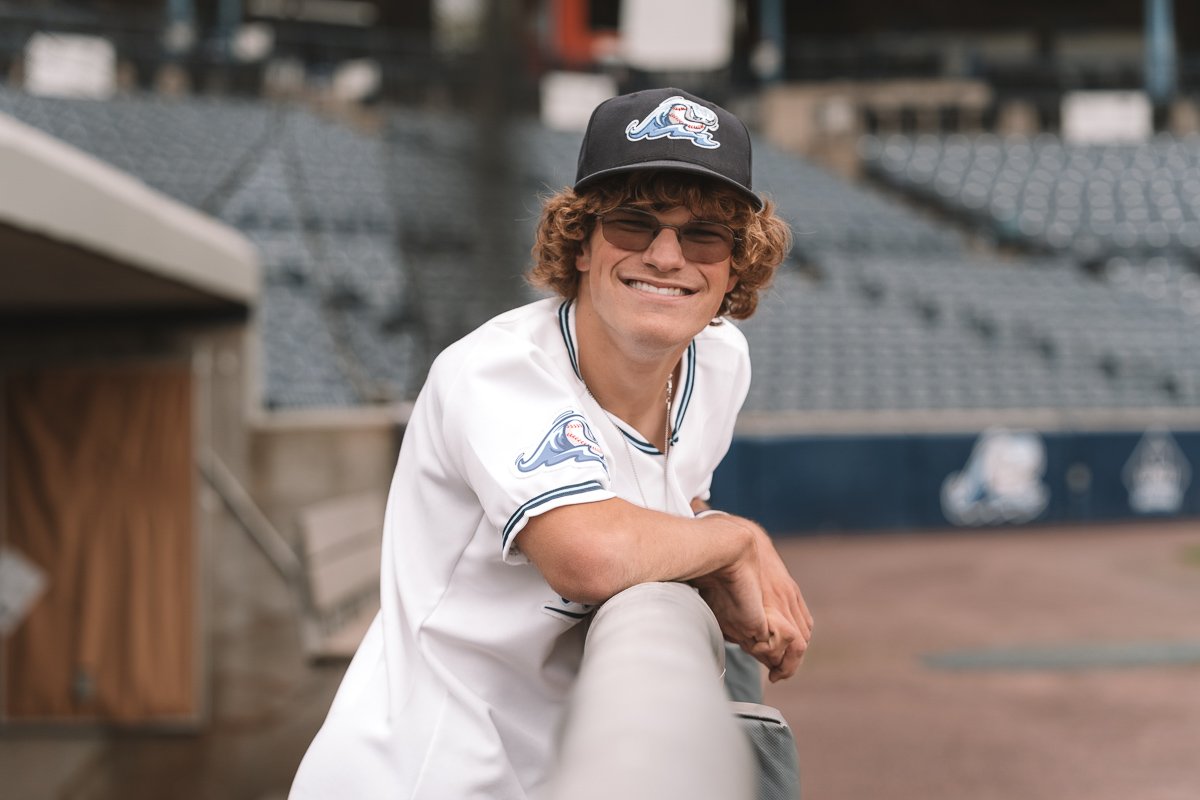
(234, 234)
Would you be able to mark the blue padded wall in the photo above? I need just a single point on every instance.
(868, 482)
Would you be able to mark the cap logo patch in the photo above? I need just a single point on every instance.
(677, 118)
(569, 439)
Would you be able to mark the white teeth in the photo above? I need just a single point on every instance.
(669, 291)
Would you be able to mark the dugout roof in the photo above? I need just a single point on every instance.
(80, 237)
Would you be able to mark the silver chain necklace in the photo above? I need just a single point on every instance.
(629, 451)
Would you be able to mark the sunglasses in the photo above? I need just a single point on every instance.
(699, 241)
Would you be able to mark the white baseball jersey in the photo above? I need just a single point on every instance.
(458, 687)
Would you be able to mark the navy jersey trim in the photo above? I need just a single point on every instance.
(688, 379)
(571, 614)
(639, 443)
(685, 395)
(542, 499)
(564, 326)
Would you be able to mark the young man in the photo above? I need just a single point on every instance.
(562, 453)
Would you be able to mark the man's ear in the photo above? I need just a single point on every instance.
(583, 261)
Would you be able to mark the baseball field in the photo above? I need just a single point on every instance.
(1040, 663)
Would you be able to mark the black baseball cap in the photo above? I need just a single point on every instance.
(666, 129)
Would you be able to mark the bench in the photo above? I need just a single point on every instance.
(340, 548)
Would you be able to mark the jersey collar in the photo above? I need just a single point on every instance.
(683, 397)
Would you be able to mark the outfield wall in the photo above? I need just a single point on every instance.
(813, 483)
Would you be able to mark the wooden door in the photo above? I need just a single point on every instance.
(98, 488)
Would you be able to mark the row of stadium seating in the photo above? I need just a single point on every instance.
(1086, 200)
(312, 195)
(907, 333)
(827, 213)
(187, 149)
(380, 248)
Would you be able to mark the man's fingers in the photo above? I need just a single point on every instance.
(783, 651)
(800, 617)
(788, 644)
(790, 661)
(805, 614)
(786, 596)
(762, 651)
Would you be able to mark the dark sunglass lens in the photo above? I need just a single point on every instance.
(703, 242)
(706, 243)
(705, 253)
(629, 230)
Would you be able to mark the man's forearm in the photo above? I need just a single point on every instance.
(590, 551)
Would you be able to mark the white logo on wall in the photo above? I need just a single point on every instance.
(1157, 474)
(1001, 483)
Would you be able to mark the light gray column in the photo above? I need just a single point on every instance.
(229, 17)
(772, 46)
(180, 34)
(1160, 60)
(648, 718)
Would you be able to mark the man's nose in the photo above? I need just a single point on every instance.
(665, 252)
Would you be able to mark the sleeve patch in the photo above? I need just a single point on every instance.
(568, 439)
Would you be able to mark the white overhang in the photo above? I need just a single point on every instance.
(78, 235)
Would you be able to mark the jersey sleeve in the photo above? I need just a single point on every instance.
(515, 429)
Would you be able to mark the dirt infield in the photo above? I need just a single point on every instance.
(1117, 717)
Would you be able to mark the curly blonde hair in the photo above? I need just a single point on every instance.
(568, 218)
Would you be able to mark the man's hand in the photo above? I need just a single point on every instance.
(735, 595)
(788, 617)
(729, 594)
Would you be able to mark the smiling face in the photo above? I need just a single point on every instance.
(654, 299)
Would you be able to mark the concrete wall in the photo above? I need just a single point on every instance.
(301, 457)
(823, 121)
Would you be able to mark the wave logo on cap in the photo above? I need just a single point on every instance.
(677, 118)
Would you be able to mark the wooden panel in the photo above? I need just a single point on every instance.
(99, 490)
